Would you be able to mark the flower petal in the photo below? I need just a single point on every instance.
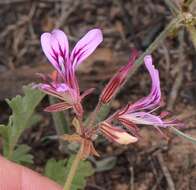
(61, 44)
(142, 118)
(173, 122)
(155, 89)
(46, 88)
(116, 134)
(61, 87)
(86, 46)
(58, 107)
(56, 48)
(153, 99)
(46, 46)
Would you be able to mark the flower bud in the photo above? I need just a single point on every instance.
(117, 80)
(116, 134)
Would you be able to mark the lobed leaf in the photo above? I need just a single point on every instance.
(57, 171)
(22, 117)
(20, 154)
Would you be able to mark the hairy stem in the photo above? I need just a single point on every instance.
(73, 170)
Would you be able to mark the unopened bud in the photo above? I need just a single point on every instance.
(117, 80)
(116, 134)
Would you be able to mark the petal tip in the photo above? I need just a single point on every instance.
(44, 36)
(98, 33)
(148, 59)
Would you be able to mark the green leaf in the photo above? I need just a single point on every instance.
(55, 170)
(20, 154)
(34, 119)
(22, 117)
(4, 131)
(84, 170)
(23, 108)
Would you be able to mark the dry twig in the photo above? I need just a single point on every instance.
(166, 172)
(12, 1)
(23, 20)
(157, 182)
(67, 7)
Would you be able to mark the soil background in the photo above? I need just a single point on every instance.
(153, 163)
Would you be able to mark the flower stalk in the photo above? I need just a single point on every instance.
(183, 135)
(73, 169)
(156, 43)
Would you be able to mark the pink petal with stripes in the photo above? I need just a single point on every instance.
(85, 47)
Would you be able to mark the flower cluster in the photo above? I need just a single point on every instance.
(140, 112)
(122, 126)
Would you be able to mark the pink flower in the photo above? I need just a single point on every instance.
(140, 112)
(117, 80)
(65, 85)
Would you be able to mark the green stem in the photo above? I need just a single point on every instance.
(172, 6)
(156, 43)
(73, 170)
(192, 32)
(185, 136)
(189, 2)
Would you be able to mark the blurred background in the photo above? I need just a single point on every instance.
(125, 24)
